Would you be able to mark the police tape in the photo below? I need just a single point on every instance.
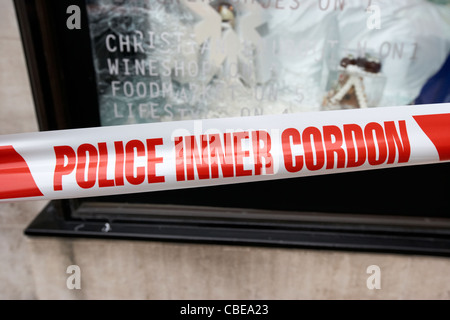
(184, 154)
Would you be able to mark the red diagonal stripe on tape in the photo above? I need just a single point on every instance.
(16, 180)
(437, 128)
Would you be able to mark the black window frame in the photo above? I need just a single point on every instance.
(342, 211)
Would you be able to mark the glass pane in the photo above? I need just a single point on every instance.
(186, 59)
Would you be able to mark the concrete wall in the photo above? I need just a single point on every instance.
(16, 115)
(35, 268)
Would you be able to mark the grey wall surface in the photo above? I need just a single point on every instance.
(35, 268)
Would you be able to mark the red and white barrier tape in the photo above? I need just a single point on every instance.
(172, 155)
